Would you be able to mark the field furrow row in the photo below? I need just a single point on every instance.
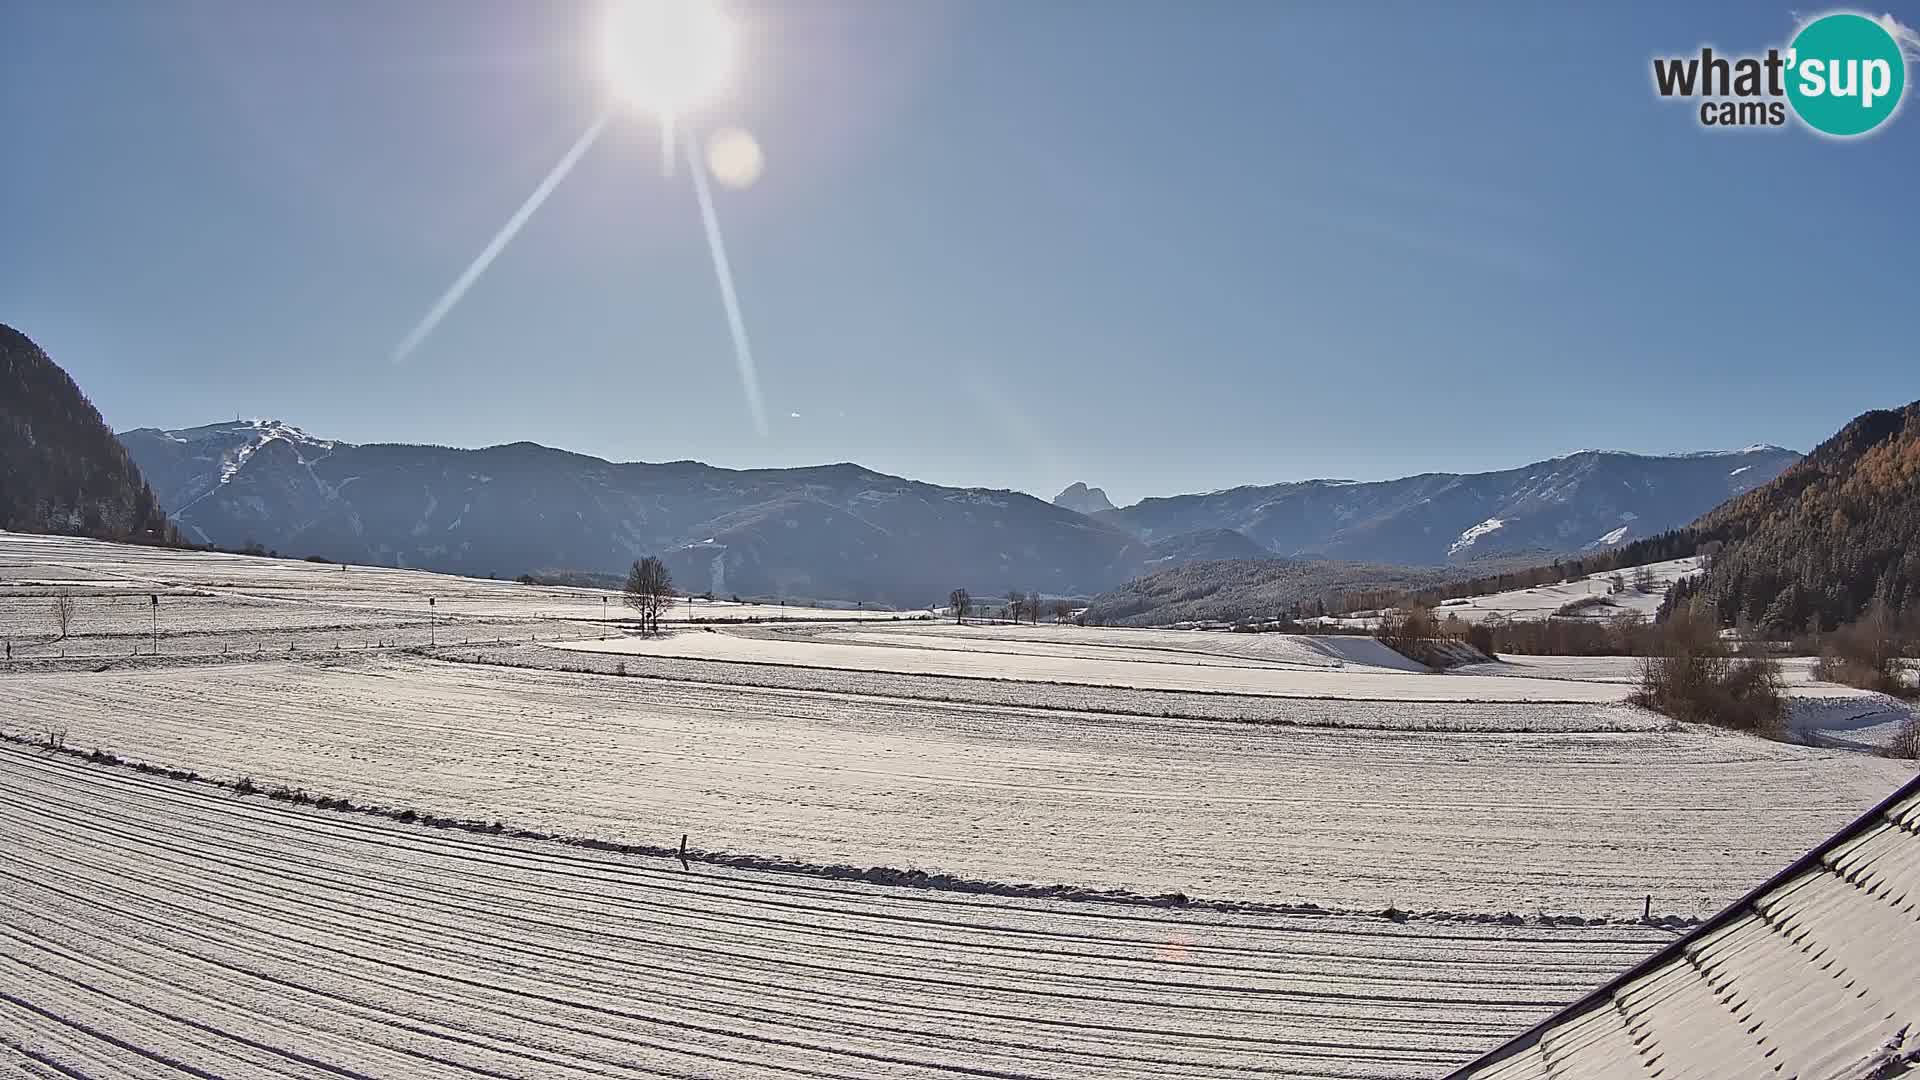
(156, 927)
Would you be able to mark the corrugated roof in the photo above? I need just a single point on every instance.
(1814, 975)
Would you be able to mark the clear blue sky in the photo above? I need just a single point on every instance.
(1010, 243)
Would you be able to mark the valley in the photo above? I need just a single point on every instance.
(846, 540)
(1293, 829)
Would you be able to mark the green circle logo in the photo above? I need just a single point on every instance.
(1845, 74)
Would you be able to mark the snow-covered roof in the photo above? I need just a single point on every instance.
(1811, 975)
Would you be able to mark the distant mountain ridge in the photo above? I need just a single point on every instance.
(1587, 500)
(61, 471)
(847, 532)
(829, 531)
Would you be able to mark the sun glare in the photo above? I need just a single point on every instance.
(734, 158)
(665, 56)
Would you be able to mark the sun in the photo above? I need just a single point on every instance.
(665, 56)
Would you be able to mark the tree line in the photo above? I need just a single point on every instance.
(1019, 607)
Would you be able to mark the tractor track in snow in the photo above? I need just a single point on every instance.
(158, 927)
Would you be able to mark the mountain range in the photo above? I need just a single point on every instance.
(846, 532)
(1585, 501)
(830, 531)
(1811, 549)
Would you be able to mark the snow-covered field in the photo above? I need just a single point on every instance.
(1545, 600)
(1347, 712)
(1347, 818)
(1020, 654)
(1796, 670)
(211, 602)
(1826, 715)
(152, 923)
(153, 927)
(1322, 653)
(1597, 593)
(1819, 713)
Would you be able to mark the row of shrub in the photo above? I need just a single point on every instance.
(1692, 673)
(1688, 668)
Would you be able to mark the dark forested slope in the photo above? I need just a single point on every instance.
(1826, 538)
(61, 469)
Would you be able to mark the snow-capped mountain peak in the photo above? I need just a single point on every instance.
(184, 466)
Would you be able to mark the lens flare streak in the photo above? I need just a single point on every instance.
(501, 239)
(742, 350)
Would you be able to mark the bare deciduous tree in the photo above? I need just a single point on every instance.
(63, 614)
(1690, 675)
(1906, 740)
(1866, 653)
(649, 588)
(1016, 605)
(1033, 608)
(960, 603)
(1062, 611)
(1411, 633)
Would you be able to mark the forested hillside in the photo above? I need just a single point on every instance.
(61, 469)
(1828, 537)
(1813, 549)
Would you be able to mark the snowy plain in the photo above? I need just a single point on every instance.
(1544, 600)
(210, 602)
(1244, 769)
(155, 927)
(1350, 818)
(1019, 657)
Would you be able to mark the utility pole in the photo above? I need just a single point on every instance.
(432, 638)
(603, 618)
(153, 601)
